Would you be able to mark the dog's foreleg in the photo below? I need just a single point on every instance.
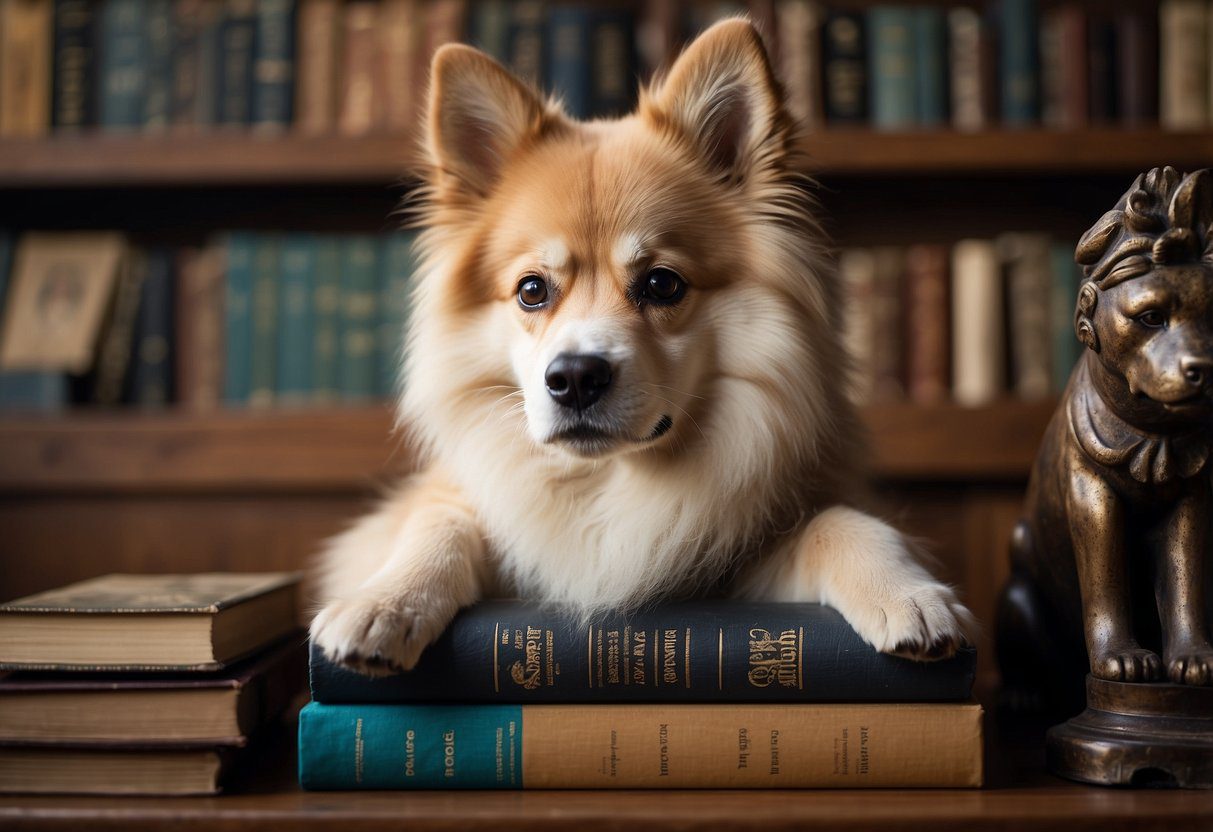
(866, 570)
(1097, 530)
(1180, 589)
(395, 579)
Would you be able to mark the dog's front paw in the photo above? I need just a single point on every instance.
(1126, 663)
(373, 636)
(1191, 666)
(924, 623)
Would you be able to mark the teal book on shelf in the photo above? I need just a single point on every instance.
(892, 67)
(395, 288)
(263, 371)
(326, 320)
(1019, 62)
(931, 66)
(124, 63)
(359, 317)
(295, 293)
(238, 321)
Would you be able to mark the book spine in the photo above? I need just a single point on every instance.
(210, 35)
(568, 69)
(199, 333)
(359, 95)
(326, 320)
(1019, 62)
(186, 37)
(857, 267)
(74, 99)
(489, 28)
(157, 96)
(234, 64)
(1064, 71)
(892, 66)
(613, 76)
(1101, 71)
(263, 370)
(927, 323)
(526, 41)
(1184, 64)
(798, 26)
(114, 357)
(639, 746)
(705, 652)
(274, 65)
(238, 320)
(965, 61)
(931, 80)
(359, 301)
(400, 45)
(844, 69)
(294, 377)
(395, 288)
(1137, 66)
(26, 44)
(35, 390)
(978, 343)
(124, 63)
(152, 359)
(1066, 276)
(1028, 283)
(887, 324)
(320, 41)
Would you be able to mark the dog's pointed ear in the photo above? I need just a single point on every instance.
(478, 116)
(722, 93)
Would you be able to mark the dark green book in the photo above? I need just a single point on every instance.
(326, 320)
(234, 64)
(274, 64)
(359, 318)
(295, 319)
(74, 99)
(263, 369)
(398, 264)
(157, 96)
(238, 303)
(152, 350)
(124, 63)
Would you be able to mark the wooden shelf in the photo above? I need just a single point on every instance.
(236, 158)
(351, 449)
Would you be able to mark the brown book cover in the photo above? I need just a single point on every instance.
(1029, 277)
(927, 324)
(105, 709)
(26, 38)
(153, 622)
(970, 69)
(360, 94)
(799, 34)
(200, 327)
(1184, 64)
(403, 69)
(319, 34)
(1137, 66)
(886, 302)
(113, 771)
(1064, 75)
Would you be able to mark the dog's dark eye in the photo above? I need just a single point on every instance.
(1152, 318)
(664, 286)
(532, 291)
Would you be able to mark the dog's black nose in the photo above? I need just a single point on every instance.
(577, 380)
(1198, 372)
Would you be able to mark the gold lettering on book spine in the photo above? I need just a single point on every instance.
(496, 635)
(720, 659)
(775, 658)
(687, 657)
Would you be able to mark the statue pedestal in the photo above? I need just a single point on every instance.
(1137, 735)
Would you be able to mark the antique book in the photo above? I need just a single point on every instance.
(526, 49)
(263, 356)
(359, 317)
(108, 382)
(123, 64)
(1029, 275)
(360, 74)
(927, 324)
(978, 330)
(367, 746)
(710, 651)
(1184, 64)
(402, 66)
(151, 361)
(1063, 67)
(153, 622)
(892, 67)
(931, 66)
(26, 41)
(569, 58)
(234, 63)
(189, 21)
(613, 69)
(135, 770)
(1018, 62)
(74, 98)
(887, 323)
(273, 75)
(1137, 66)
(844, 68)
(158, 88)
(319, 34)
(238, 317)
(968, 47)
(200, 325)
(326, 320)
(293, 384)
(857, 268)
(799, 32)
(37, 390)
(1103, 96)
(221, 708)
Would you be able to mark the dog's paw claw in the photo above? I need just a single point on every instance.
(370, 636)
(1194, 668)
(1127, 664)
(925, 624)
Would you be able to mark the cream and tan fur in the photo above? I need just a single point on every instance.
(724, 457)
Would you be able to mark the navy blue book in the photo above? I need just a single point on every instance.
(569, 58)
(1019, 61)
(158, 94)
(844, 68)
(234, 64)
(124, 63)
(152, 348)
(74, 99)
(711, 651)
(274, 64)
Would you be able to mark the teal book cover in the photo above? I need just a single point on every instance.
(294, 376)
(274, 64)
(359, 317)
(326, 320)
(1066, 347)
(410, 747)
(263, 373)
(1019, 61)
(238, 321)
(124, 63)
(892, 67)
(931, 66)
(395, 288)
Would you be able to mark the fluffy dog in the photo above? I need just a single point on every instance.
(1112, 557)
(625, 373)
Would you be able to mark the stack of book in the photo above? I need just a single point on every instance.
(143, 684)
(707, 695)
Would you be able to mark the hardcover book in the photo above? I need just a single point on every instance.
(26, 39)
(158, 90)
(264, 353)
(326, 320)
(799, 32)
(124, 63)
(320, 41)
(25, 389)
(109, 381)
(927, 323)
(613, 73)
(360, 74)
(1029, 274)
(112, 771)
(967, 68)
(569, 58)
(234, 65)
(978, 329)
(888, 329)
(401, 25)
(526, 58)
(221, 708)
(189, 20)
(74, 99)
(200, 325)
(1018, 51)
(359, 317)
(1137, 66)
(844, 68)
(152, 356)
(931, 67)
(718, 651)
(274, 65)
(639, 746)
(148, 622)
(294, 373)
(892, 67)
(238, 318)
(1184, 64)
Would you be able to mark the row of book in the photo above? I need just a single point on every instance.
(321, 65)
(251, 319)
(973, 322)
(147, 684)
